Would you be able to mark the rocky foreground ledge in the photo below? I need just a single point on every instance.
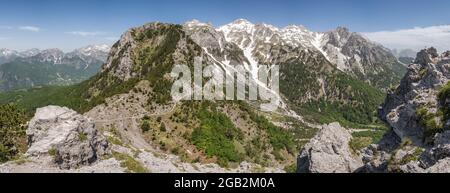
(66, 135)
(62, 141)
(329, 152)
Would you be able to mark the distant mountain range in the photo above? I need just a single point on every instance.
(36, 67)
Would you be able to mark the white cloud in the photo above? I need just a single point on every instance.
(416, 38)
(85, 33)
(30, 28)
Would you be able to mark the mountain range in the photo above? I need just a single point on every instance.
(336, 76)
(36, 67)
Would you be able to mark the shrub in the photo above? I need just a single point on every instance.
(52, 152)
(216, 135)
(428, 121)
(12, 131)
(162, 128)
(82, 136)
(358, 143)
(292, 168)
(129, 163)
(145, 127)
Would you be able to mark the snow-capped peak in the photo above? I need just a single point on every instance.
(242, 21)
(271, 27)
(239, 25)
(30, 52)
(6, 52)
(294, 28)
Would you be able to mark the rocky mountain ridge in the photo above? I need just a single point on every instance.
(348, 51)
(56, 56)
(33, 68)
(417, 112)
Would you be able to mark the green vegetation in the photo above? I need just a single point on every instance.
(128, 162)
(405, 143)
(152, 57)
(151, 63)
(412, 157)
(292, 168)
(52, 152)
(145, 126)
(12, 132)
(444, 92)
(34, 98)
(82, 136)
(431, 122)
(389, 76)
(279, 138)
(115, 140)
(358, 143)
(344, 99)
(375, 135)
(22, 75)
(216, 135)
(443, 95)
(162, 128)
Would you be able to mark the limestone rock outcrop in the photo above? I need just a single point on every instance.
(66, 135)
(329, 152)
(416, 112)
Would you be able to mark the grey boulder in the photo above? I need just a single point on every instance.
(329, 152)
(66, 135)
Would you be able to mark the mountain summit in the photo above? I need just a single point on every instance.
(348, 51)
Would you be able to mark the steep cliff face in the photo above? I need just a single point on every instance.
(417, 112)
(408, 109)
(358, 56)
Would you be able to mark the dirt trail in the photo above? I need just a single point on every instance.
(132, 131)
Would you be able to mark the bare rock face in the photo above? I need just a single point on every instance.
(66, 135)
(329, 152)
(442, 166)
(418, 89)
(418, 150)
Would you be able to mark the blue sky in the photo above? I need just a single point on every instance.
(69, 24)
